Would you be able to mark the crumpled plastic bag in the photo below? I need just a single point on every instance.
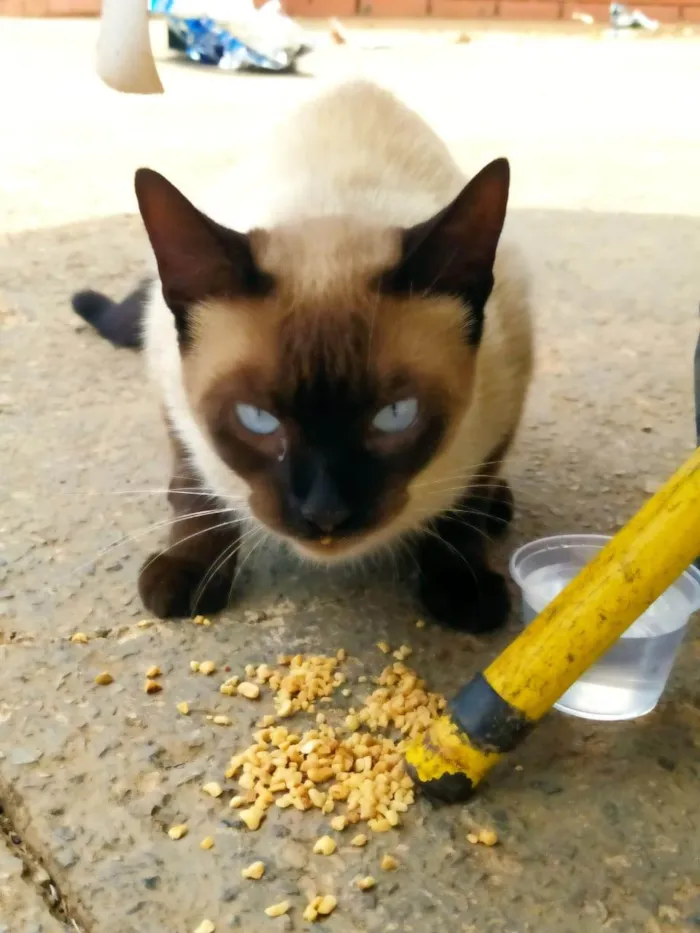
(233, 34)
(621, 17)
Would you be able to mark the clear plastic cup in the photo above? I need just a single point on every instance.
(629, 679)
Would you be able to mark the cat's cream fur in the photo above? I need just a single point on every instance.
(356, 150)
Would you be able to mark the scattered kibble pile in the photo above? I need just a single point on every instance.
(352, 773)
(357, 767)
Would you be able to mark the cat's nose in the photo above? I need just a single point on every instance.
(326, 520)
(323, 507)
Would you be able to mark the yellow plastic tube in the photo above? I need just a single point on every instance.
(500, 706)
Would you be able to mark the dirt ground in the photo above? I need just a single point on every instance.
(599, 825)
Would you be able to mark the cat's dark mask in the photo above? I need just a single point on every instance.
(328, 361)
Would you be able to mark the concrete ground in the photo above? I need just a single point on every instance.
(599, 824)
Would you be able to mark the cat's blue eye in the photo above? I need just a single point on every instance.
(399, 416)
(257, 420)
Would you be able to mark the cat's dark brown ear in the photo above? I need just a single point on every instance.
(454, 251)
(197, 258)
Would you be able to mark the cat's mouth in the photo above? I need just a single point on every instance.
(346, 544)
(327, 548)
(351, 538)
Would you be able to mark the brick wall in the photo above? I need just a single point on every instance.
(50, 7)
(667, 11)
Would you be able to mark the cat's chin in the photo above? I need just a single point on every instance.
(333, 550)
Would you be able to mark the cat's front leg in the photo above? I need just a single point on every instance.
(457, 586)
(194, 572)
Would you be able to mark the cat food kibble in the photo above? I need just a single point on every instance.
(207, 843)
(278, 910)
(104, 679)
(389, 863)
(324, 846)
(381, 825)
(326, 905)
(79, 638)
(213, 789)
(254, 872)
(206, 926)
(152, 686)
(320, 907)
(253, 818)
(179, 831)
(485, 837)
(207, 667)
(249, 691)
(366, 884)
(153, 672)
(221, 721)
(183, 708)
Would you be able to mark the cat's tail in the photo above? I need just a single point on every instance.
(118, 322)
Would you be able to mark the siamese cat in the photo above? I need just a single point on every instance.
(343, 349)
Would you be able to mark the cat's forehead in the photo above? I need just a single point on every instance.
(326, 256)
(325, 322)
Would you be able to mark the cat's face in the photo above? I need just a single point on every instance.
(327, 362)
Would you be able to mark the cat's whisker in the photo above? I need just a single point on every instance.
(480, 485)
(433, 534)
(469, 489)
(234, 577)
(487, 537)
(153, 491)
(226, 554)
(394, 564)
(164, 490)
(464, 475)
(466, 490)
(181, 541)
(264, 537)
(147, 529)
(488, 515)
(448, 514)
(474, 469)
(405, 546)
(521, 494)
(455, 514)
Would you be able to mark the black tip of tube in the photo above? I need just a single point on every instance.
(450, 788)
